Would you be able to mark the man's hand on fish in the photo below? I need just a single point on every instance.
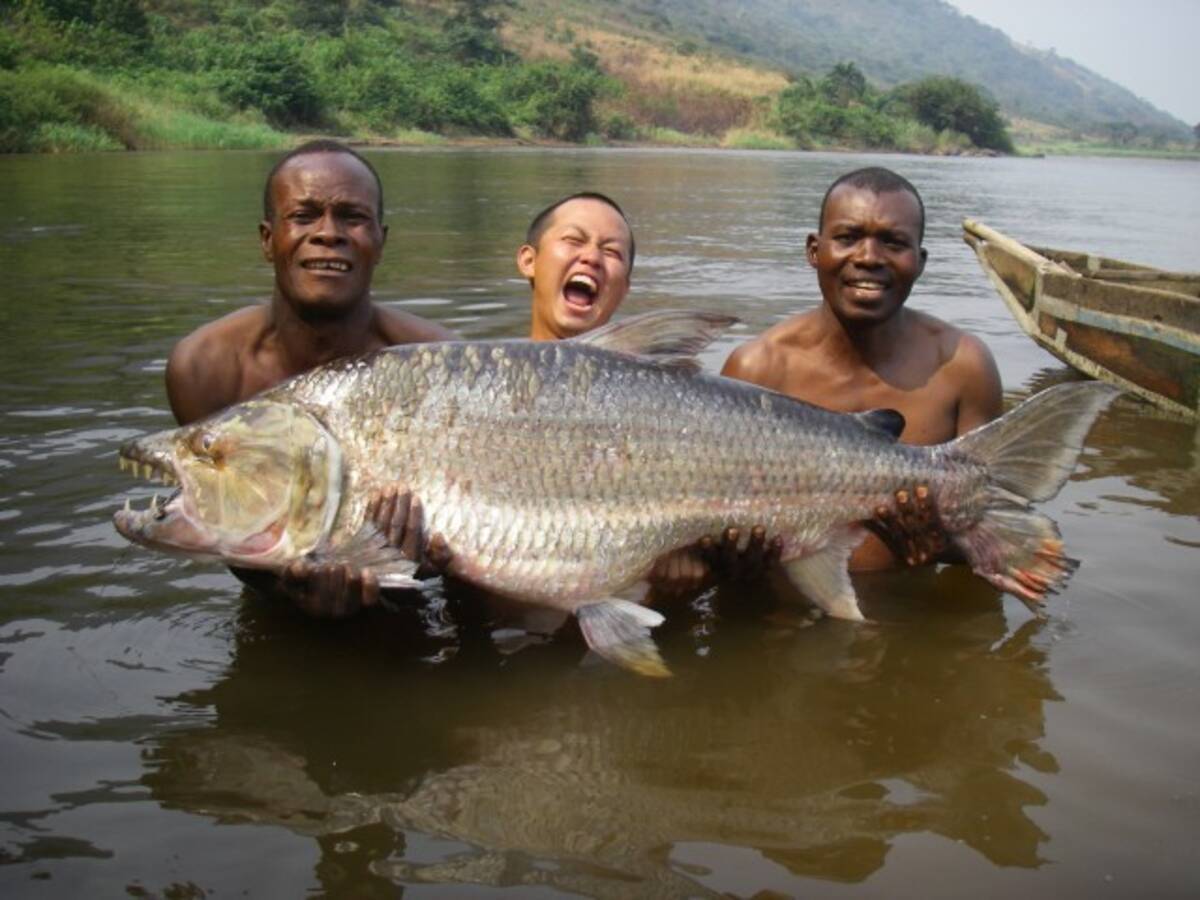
(330, 592)
(691, 569)
(340, 591)
(401, 518)
(912, 529)
(745, 564)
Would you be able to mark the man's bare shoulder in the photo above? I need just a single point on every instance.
(966, 370)
(765, 357)
(397, 327)
(204, 370)
(964, 353)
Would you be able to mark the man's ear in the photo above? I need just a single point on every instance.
(526, 257)
(382, 241)
(810, 249)
(921, 267)
(264, 239)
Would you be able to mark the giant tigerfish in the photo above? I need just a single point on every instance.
(559, 472)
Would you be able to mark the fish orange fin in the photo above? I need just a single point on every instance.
(1019, 552)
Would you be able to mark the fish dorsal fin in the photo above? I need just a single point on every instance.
(887, 422)
(670, 337)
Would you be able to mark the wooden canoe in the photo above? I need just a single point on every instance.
(1134, 326)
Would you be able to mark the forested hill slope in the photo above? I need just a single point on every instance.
(893, 41)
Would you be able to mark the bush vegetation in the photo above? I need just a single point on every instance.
(112, 74)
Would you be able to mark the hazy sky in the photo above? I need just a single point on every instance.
(1147, 46)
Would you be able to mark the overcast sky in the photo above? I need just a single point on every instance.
(1147, 46)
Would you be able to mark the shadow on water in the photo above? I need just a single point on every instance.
(814, 744)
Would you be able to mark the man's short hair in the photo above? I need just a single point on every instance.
(542, 220)
(308, 148)
(878, 180)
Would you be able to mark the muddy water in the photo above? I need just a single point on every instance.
(164, 733)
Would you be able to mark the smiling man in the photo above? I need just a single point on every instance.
(862, 348)
(323, 234)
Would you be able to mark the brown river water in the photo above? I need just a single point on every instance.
(165, 733)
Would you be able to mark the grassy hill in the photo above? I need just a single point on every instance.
(893, 41)
(909, 75)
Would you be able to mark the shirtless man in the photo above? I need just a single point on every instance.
(322, 231)
(863, 349)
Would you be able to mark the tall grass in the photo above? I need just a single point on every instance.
(59, 109)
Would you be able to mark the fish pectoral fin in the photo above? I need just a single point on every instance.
(369, 549)
(824, 577)
(620, 632)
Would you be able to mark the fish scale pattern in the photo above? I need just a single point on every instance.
(560, 472)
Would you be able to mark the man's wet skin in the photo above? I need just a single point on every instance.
(863, 349)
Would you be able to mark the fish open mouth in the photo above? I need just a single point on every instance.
(151, 468)
(581, 290)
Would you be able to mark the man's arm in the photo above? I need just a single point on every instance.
(980, 396)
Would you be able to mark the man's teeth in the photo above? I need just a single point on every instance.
(336, 264)
(585, 282)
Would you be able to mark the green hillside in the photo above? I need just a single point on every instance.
(909, 75)
(894, 41)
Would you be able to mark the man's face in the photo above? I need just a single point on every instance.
(867, 254)
(579, 269)
(326, 239)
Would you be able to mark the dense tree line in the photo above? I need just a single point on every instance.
(346, 66)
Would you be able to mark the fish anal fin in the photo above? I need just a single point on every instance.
(824, 578)
(619, 631)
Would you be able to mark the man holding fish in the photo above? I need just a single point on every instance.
(323, 235)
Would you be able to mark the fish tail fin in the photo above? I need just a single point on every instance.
(620, 632)
(1018, 551)
(1033, 449)
(1030, 453)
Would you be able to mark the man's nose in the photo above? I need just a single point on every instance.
(591, 253)
(866, 252)
(327, 229)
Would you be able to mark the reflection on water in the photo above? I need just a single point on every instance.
(532, 771)
(162, 734)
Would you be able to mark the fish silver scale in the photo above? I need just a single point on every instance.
(560, 472)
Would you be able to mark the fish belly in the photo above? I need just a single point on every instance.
(560, 473)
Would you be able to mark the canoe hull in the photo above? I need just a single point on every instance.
(1133, 326)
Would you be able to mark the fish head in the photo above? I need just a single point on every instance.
(259, 484)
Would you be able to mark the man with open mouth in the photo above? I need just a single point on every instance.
(578, 255)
